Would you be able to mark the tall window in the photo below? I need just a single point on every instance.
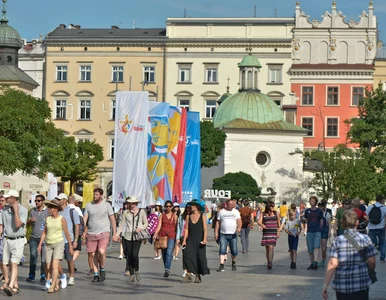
(274, 74)
(184, 104)
(184, 75)
(357, 95)
(84, 139)
(85, 110)
(210, 108)
(149, 74)
(111, 149)
(308, 95)
(85, 73)
(308, 124)
(211, 75)
(112, 117)
(117, 74)
(332, 127)
(333, 96)
(61, 108)
(61, 73)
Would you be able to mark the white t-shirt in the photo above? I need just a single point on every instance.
(293, 226)
(228, 219)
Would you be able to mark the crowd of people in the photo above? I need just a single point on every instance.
(59, 229)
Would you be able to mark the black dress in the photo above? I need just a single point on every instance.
(195, 252)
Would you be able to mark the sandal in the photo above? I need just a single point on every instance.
(51, 290)
(11, 291)
(5, 285)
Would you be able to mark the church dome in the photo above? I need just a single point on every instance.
(9, 37)
(249, 105)
(250, 61)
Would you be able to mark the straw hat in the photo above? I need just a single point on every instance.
(53, 204)
(132, 199)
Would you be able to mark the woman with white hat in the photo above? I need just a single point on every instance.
(133, 220)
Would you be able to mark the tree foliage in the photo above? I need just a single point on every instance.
(26, 131)
(212, 144)
(74, 161)
(241, 185)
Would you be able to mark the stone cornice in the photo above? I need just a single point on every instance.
(320, 73)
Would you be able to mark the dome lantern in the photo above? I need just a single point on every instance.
(249, 70)
(9, 37)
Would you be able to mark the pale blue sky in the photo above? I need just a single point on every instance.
(34, 17)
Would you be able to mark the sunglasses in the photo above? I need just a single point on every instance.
(272, 205)
(168, 206)
(38, 200)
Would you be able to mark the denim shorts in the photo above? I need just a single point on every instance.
(324, 235)
(313, 241)
(293, 243)
(230, 239)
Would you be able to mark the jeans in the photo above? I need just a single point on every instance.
(230, 239)
(131, 249)
(167, 254)
(33, 246)
(378, 236)
(245, 238)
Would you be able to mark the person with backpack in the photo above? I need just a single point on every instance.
(377, 214)
(72, 200)
(246, 214)
(363, 219)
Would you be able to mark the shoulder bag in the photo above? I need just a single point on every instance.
(143, 234)
(362, 253)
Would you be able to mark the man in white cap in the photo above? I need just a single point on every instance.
(72, 200)
(13, 222)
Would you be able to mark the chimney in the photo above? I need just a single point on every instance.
(114, 27)
(62, 26)
(297, 14)
(77, 26)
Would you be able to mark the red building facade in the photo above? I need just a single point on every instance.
(332, 67)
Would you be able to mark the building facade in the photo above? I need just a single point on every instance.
(203, 56)
(85, 68)
(380, 68)
(31, 61)
(332, 66)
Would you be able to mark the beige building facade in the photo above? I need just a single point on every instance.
(380, 68)
(85, 68)
(203, 56)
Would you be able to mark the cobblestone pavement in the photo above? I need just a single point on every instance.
(251, 281)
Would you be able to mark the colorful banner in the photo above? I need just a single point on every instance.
(158, 148)
(191, 184)
(174, 135)
(179, 170)
(130, 148)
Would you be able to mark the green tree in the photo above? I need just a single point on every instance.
(241, 185)
(212, 144)
(26, 131)
(74, 161)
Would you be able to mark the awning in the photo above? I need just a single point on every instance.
(18, 181)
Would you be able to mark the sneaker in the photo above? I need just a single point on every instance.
(382, 261)
(221, 268)
(187, 279)
(71, 281)
(234, 267)
(30, 279)
(321, 264)
(315, 266)
(184, 275)
(95, 279)
(102, 275)
(120, 257)
(63, 281)
(42, 278)
(159, 257)
(292, 265)
(174, 258)
(167, 273)
(47, 285)
(311, 267)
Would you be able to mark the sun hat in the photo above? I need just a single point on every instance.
(11, 193)
(78, 198)
(158, 203)
(132, 199)
(53, 204)
(61, 196)
(176, 204)
(200, 204)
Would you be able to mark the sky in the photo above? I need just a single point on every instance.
(38, 17)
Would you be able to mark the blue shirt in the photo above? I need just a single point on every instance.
(313, 219)
(70, 226)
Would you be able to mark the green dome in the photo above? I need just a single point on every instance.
(248, 106)
(250, 61)
(9, 37)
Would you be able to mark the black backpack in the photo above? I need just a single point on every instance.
(81, 223)
(375, 215)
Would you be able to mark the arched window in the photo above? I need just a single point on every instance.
(249, 80)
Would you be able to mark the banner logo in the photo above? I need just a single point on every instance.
(127, 126)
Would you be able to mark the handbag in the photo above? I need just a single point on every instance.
(143, 234)
(362, 253)
(161, 242)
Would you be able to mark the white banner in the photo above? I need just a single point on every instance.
(130, 148)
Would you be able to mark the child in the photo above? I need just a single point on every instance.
(293, 229)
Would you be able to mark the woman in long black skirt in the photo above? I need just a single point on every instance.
(195, 242)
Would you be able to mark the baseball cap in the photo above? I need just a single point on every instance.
(78, 198)
(176, 204)
(11, 193)
(62, 196)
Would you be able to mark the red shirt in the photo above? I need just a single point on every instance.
(360, 213)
